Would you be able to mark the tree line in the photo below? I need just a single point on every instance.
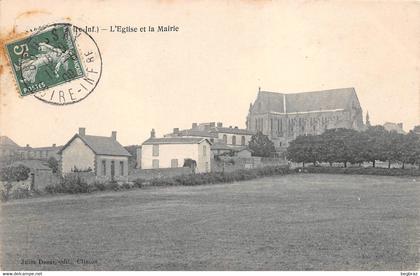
(350, 146)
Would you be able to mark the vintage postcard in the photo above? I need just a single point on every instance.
(209, 136)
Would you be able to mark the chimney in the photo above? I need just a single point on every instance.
(236, 127)
(194, 125)
(114, 135)
(54, 145)
(27, 145)
(82, 131)
(176, 131)
(400, 125)
(230, 126)
(219, 124)
(152, 133)
(212, 124)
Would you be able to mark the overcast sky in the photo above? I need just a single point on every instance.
(211, 69)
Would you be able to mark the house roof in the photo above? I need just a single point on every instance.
(32, 164)
(220, 146)
(193, 132)
(231, 130)
(175, 140)
(211, 132)
(100, 145)
(326, 100)
(7, 142)
(57, 148)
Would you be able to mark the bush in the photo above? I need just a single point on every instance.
(113, 185)
(20, 193)
(218, 177)
(361, 171)
(100, 186)
(70, 184)
(9, 175)
(51, 189)
(139, 182)
(73, 184)
(126, 185)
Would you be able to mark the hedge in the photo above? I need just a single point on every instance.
(361, 171)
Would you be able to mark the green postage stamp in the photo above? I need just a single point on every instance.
(45, 59)
(59, 64)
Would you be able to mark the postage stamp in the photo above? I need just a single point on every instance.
(59, 64)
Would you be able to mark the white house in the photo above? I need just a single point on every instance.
(100, 154)
(233, 136)
(171, 152)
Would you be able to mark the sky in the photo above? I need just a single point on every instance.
(210, 70)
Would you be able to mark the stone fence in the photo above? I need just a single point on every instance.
(158, 173)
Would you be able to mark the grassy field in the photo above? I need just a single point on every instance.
(294, 222)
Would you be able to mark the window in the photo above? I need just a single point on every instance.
(207, 166)
(155, 150)
(122, 167)
(243, 140)
(112, 168)
(225, 138)
(155, 164)
(204, 150)
(233, 140)
(103, 167)
(174, 163)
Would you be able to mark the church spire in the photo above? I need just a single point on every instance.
(367, 119)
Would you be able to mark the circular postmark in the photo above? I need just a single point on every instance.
(59, 64)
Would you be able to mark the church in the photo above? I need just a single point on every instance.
(283, 117)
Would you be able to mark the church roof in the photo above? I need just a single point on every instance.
(326, 100)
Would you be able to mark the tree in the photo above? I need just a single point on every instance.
(261, 145)
(11, 174)
(190, 163)
(132, 160)
(53, 164)
(409, 149)
(297, 150)
(376, 144)
(338, 145)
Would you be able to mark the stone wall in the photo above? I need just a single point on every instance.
(228, 164)
(158, 173)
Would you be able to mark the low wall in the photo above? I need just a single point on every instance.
(158, 173)
(230, 164)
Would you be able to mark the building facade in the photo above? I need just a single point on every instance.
(39, 153)
(102, 155)
(171, 152)
(397, 127)
(216, 133)
(283, 117)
